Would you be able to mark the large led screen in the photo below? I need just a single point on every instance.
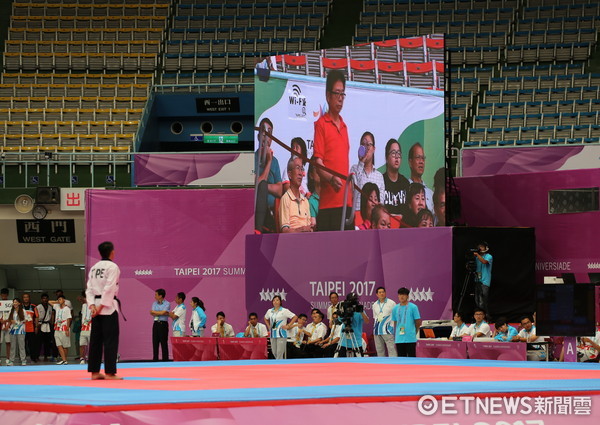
(325, 115)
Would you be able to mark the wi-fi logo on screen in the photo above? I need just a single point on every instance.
(297, 108)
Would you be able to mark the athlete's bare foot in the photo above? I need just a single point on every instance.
(97, 376)
(113, 377)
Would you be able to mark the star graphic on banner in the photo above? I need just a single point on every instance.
(283, 294)
(415, 294)
(429, 294)
(271, 294)
(262, 295)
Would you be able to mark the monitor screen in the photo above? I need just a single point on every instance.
(566, 310)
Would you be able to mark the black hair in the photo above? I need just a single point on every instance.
(439, 179)
(277, 296)
(459, 314)
(199, 303)
(320, 313)
(378, 288)
(45, 294)
(526, 316)
(479, 310)
(388, 146)
(500, 322)
(4, 291)
(302, 315)
(251, 315)
(333, 77)
(368, 133)
(300, 142)
(412, 149)
(332, 293)
(105, 248)
(403, 291)
(365, 193)
(220, 313)
(161, 292)
(181, 295)
(83, 294)
(413, 190)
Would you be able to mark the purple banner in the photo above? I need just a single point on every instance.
(305, 268)
(193, 169)
(189, 241)
(563, 241)
(494, 161)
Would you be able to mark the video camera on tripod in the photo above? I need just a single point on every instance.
(347, 309)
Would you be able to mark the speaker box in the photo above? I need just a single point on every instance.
(47, 195)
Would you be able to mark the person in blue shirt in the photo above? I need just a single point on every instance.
(198, 322)
(504, 332)
(268, 179)
(352, 340)
(160, 328)
(483, 263)
(407, 321)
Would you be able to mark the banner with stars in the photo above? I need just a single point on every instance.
(304, 268)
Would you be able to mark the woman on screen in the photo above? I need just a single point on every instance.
(276, 320)
(369, 198)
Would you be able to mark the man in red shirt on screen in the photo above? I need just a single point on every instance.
(331, 149)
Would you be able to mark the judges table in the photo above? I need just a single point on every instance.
(209, 348)
(488, 350)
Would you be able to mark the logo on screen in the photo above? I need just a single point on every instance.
(297, 108)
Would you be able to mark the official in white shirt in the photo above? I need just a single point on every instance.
(383, 329)
(254, 328)
(101, 294)
(221, 328)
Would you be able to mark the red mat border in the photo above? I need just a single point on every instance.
(72, 408)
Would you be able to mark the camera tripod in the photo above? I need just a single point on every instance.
(465, 286)
(355, 350)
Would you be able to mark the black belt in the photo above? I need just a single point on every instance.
(118, 302)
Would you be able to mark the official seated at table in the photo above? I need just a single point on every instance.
(480, 329)
(535, 352)
(295, 338)
(460, 329)
(255, 329)
(504, 331)
(330, 344)
(315, 332)
(221, 328)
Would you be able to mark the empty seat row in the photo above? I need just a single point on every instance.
(38, 78)
(143, 62)
(532, 142)
(131, 46)
(557, 94)
(241, 45)
(548, 52)
(73, 102)
(207, 78)
(252, 8)
(65, 22)
(568, 10)
(204, 61)
(305, 19)
(542, 69)
(447, 15)
(372, 32)
(97, 9)
(73, 90)
(98, 1)
(60, 114)
(537, 107)
(534, 132)
(226, 33)
(482, 39)
(558, 23)
(85, 34)
(53, 141)
(89, 148)
(527, 120)
(402, 5)
(75, 127)
(555, 36)
(543, 81)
